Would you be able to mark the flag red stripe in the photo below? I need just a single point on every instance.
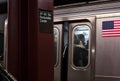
(111, 32)
(116, 21)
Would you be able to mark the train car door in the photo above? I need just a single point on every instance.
(57, 51)
(108, 47)
(75, 63)
(81, 50)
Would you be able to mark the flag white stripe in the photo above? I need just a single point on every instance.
(116, 24)
(111, 32)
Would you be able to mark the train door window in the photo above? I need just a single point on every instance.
(80, 46)
(56, 40)
(3, 16)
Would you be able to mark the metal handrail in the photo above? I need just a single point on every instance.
(5, 75)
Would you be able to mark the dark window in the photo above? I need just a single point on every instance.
(1, 45)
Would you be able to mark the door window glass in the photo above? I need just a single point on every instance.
(81, 39)
(56, 40)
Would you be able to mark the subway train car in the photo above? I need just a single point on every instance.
(3, 17)
(4, 75)
(87, 41)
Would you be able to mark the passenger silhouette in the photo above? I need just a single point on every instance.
(86, 46)
(80, 57)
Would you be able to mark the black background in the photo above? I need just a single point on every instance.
(64, 2)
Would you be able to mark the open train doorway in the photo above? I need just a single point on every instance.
(3, 17)
(3, 40)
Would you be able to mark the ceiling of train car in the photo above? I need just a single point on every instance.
(2, 1)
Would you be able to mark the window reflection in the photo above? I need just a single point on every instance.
(55, 45)
(81, 45)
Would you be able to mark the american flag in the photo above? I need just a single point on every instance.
(111, 28)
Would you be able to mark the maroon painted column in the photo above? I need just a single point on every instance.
(17, 39)
(40, 40)
(13, 43)
(30, 40)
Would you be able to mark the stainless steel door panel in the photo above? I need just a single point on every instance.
(84, 73)
(107, 52)
(57, 65)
